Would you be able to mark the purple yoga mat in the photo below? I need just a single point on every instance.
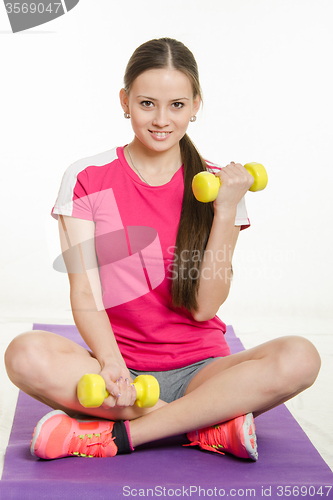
(288, 465)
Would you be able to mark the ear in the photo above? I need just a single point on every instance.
(124, 100)
(196, 104)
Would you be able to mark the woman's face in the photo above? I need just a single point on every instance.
(161, 104)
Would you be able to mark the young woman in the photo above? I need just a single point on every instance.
(149, 267)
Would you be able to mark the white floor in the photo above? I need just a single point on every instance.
(313, 409)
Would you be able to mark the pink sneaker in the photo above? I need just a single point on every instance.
(237, 436)
(57, 435)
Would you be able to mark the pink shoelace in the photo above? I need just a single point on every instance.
(92, 445)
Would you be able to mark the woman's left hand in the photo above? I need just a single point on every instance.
(235, 182)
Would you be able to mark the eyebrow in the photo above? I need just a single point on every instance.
(154, 99)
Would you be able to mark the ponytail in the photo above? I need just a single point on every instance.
(193, 232)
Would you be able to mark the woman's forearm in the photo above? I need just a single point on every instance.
(216, 266)
(95, 328)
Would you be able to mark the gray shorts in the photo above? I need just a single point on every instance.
(173, 383)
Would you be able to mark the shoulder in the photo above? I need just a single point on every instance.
(97, 160)
(82, 178)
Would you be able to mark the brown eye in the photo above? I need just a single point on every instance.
(146, 104)
(178, 105)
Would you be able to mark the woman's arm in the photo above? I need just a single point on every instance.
(215, 272)
(93, 324)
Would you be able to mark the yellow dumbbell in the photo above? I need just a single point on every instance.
(206, 185)
(91, 390)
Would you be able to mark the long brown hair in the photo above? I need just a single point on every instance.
(196, 218)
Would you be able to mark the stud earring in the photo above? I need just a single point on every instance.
(193, 118)
(127, 115)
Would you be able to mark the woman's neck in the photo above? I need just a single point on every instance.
(154, 167)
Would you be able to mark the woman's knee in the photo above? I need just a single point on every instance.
(26, 356)
(21, 354)
(299, 363)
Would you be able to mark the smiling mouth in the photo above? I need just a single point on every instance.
(159, 134)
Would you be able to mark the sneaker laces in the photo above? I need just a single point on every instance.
(210, 439)
(92, 445)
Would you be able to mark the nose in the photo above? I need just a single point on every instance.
(161, 118)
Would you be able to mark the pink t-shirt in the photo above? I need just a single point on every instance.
(135, 233)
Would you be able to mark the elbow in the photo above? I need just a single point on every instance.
(201, 316)
(208, 312)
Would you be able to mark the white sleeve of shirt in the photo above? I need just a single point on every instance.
(242, 218)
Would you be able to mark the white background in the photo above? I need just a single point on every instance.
(266, 74)
(267, 82)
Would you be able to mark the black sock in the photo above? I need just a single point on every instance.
(122, 440)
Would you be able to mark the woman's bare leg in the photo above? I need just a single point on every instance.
(254, 381)
(48, 368)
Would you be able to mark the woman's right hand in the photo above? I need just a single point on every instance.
(118, 383)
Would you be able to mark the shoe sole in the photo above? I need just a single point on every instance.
(39, 426)
(250, 438)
